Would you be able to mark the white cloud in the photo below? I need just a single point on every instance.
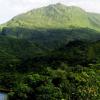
(10, 8)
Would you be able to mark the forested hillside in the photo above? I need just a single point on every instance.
(51, 53)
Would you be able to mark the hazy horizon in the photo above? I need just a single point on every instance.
(11, 8)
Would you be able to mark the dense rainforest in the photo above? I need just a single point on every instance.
(50, 53)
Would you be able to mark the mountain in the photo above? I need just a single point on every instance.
(51, 53)
(55, 16)
(53, 25)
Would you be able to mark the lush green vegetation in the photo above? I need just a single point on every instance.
(54, 37)
(70, 72)
(56, 84)
(51, 53)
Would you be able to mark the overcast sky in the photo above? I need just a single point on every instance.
(11, 8)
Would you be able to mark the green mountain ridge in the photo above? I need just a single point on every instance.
(55, 16)
(53, 25)
(47, 28)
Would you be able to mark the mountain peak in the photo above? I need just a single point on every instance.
(55, 16)
(65, 7)
(59, 4)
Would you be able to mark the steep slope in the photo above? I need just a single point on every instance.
(94, 20)
(55, 16)
(53, 25)
(51, 38)
(52, 16)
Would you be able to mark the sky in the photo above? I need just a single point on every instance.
(11, 8)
